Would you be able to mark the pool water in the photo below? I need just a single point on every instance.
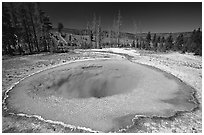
(103, 95)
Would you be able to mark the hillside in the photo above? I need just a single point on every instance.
(80, 38)
(123, 35)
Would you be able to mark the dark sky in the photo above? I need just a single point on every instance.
(155, 17)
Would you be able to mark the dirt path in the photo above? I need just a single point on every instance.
(186, 67)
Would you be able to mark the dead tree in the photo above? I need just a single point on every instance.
(109, 35)
(135, 25)
(89, 34)
(93, 31)
(98, 34)
(118, 28)
(114, 30)
(140, 28)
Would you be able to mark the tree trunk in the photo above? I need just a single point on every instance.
(27, 35)
(34, 32)
(45, 43)
(10, 50)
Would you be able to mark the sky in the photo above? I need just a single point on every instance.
(153, 17)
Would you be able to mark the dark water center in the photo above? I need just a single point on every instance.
(99, 94)
(92, 81)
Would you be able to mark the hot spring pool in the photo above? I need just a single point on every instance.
(103, 95)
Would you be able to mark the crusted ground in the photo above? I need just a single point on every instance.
(184, 66)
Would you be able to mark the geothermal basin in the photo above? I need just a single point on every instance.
(103, 95)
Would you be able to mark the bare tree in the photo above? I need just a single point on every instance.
(89, 33)
(109, 35)
(119, 23)
(25, 19)
(135, 27)
(17, 28)
(7, 29)
(93, 31)
(96, 32)
(31, 10)
(114, 30)
(140, 29)
(27, 26)
(98, 35)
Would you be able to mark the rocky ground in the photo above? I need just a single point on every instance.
(184, 66)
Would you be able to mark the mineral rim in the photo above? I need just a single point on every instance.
(102, 95)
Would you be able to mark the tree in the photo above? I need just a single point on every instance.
(38, 22)
(142, 44)
(133, 43)
(7, 31)
(114, 29)
(110, 36)
(98, 35)
(91, 38)
(32, 10)
(194, 43)
(137, 44)
(93, 31)
(179, 42)
(136, 30)
(140, 28)
(135, 26)
(23, 27)
(154, 41)
(60, 27)
(47, 26)
(29, 18)
(26, 28)
(187, 43)
(118, 28)
(198, 41)
(169, 42)
(148, 40)
(14, 22)
(163, 46)
(158, 43)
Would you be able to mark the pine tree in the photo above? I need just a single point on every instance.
(163, 45)
(32, 10)
(179, 42)
(191, 46)
(7, 31)
(158, 43)
(26, 28)
(148, 40)
(198, 41)
(60, 27)
(154, 41)
(133, 43)
(137, 44)
(14, 24)
(187, 43)
(142, 44)
(47, 26)
(38, 24)
(110, 36)
(169, 42)
(194, 43)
